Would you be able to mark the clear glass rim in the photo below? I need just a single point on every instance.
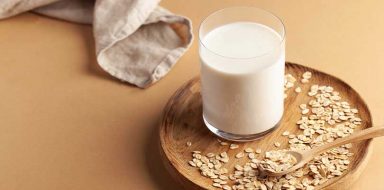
(237, 7)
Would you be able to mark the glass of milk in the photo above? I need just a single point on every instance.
(242, 53)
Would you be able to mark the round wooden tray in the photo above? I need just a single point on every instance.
(182, 122)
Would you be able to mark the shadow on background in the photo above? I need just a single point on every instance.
(156, 168)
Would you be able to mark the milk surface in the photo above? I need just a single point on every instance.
(242, 73)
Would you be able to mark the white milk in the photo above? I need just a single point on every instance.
(242, 73)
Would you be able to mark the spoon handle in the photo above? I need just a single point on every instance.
(369, 133)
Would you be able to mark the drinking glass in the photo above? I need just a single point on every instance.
(242, 53)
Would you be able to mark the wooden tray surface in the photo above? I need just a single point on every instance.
(182, 122)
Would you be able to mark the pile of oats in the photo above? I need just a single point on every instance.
(324, 118)
(277, 161)
(211, 166)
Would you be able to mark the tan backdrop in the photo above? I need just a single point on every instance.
(66, 124)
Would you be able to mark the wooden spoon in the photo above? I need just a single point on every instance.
(303, 157)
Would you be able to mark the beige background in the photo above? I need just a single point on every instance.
(66, 124)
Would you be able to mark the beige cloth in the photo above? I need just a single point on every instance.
(136, 41)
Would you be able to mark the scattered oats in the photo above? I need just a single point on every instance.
(192, 163)
(240, 155)
(348, 145)
(189, 143)
(289, 81)
(346, 162)
(304, 80)
(225, 160)
(307, 75)
(197, 156)
(298, 90)
(238, 167)
(305, 111)
(325, 118)
(223, 170)
(248, 150)
(251, 155)
(233, 146)
(223, 182)
(223, 143)
(223, 177)
(216, 185)
(309, 187)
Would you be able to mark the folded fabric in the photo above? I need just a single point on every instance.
(136, 41)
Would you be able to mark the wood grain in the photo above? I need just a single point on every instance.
(182, 122)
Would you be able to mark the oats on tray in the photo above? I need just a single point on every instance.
(298, 90)
(240, 155)
(324, 118)
(234, 146)
(306, 76)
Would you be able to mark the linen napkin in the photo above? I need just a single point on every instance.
(136, 40)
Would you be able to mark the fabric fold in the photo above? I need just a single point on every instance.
(136, 41)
